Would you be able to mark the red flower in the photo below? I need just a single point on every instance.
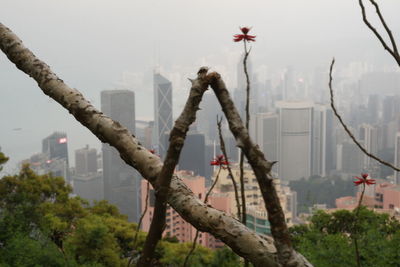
(219, 161)
(363, 180)
(244, 36)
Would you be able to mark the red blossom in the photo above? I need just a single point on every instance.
(363, 180)
(244, 36)
(219, 161)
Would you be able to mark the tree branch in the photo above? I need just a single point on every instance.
(261, 168)
(392, 51)
(244, 242)
(176, 141)
(223, 149)
(350, 134)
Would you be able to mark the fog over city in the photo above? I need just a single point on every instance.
(104, 45)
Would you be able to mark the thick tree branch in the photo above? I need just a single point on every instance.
(350, 134)
(244, 242)
(261, 168)
(392, 51)
(176, 141)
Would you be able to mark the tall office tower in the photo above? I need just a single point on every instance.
(323, 141)
(397, 158)
(85, 160)
(193, 154)
(294, 139)
(266, 134)
(55, 146)
(121, 182)
(368, 134)
(88, 181)
(162, 112)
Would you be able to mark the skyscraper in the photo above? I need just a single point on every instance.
(121, 182)
(294, 139)
(369, 138)
(85, 160)
(193, 154)
(55, 147)
(323, 158)
(88, 181)
(162, 112)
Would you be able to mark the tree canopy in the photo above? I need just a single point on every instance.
(41, 224)
(327, 240)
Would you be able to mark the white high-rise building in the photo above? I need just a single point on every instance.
(162, 113)
(369, 138)
(294, 139)
(323, 143)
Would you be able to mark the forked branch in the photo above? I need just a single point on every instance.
(393, 49)
(176, 142)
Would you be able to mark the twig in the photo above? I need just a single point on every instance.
(261, 168)
(223, 149)
(186, 262)
(241, 162)
(348, 130)
(177, 139)
(392, 51)
(140, 224)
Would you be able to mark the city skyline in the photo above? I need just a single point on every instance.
(287, 35)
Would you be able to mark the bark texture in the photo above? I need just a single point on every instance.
(261, 168)
(176, 141)
(244, 242)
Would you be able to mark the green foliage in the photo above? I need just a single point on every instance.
(320, 190)
(327, 240)
(21, 250)
(41, 225)
(175, 253)
(225, 257)
(3, 160)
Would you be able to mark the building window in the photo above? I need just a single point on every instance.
(391, 206)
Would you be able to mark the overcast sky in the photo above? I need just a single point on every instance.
(95, 45)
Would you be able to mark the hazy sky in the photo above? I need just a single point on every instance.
(92, 44)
